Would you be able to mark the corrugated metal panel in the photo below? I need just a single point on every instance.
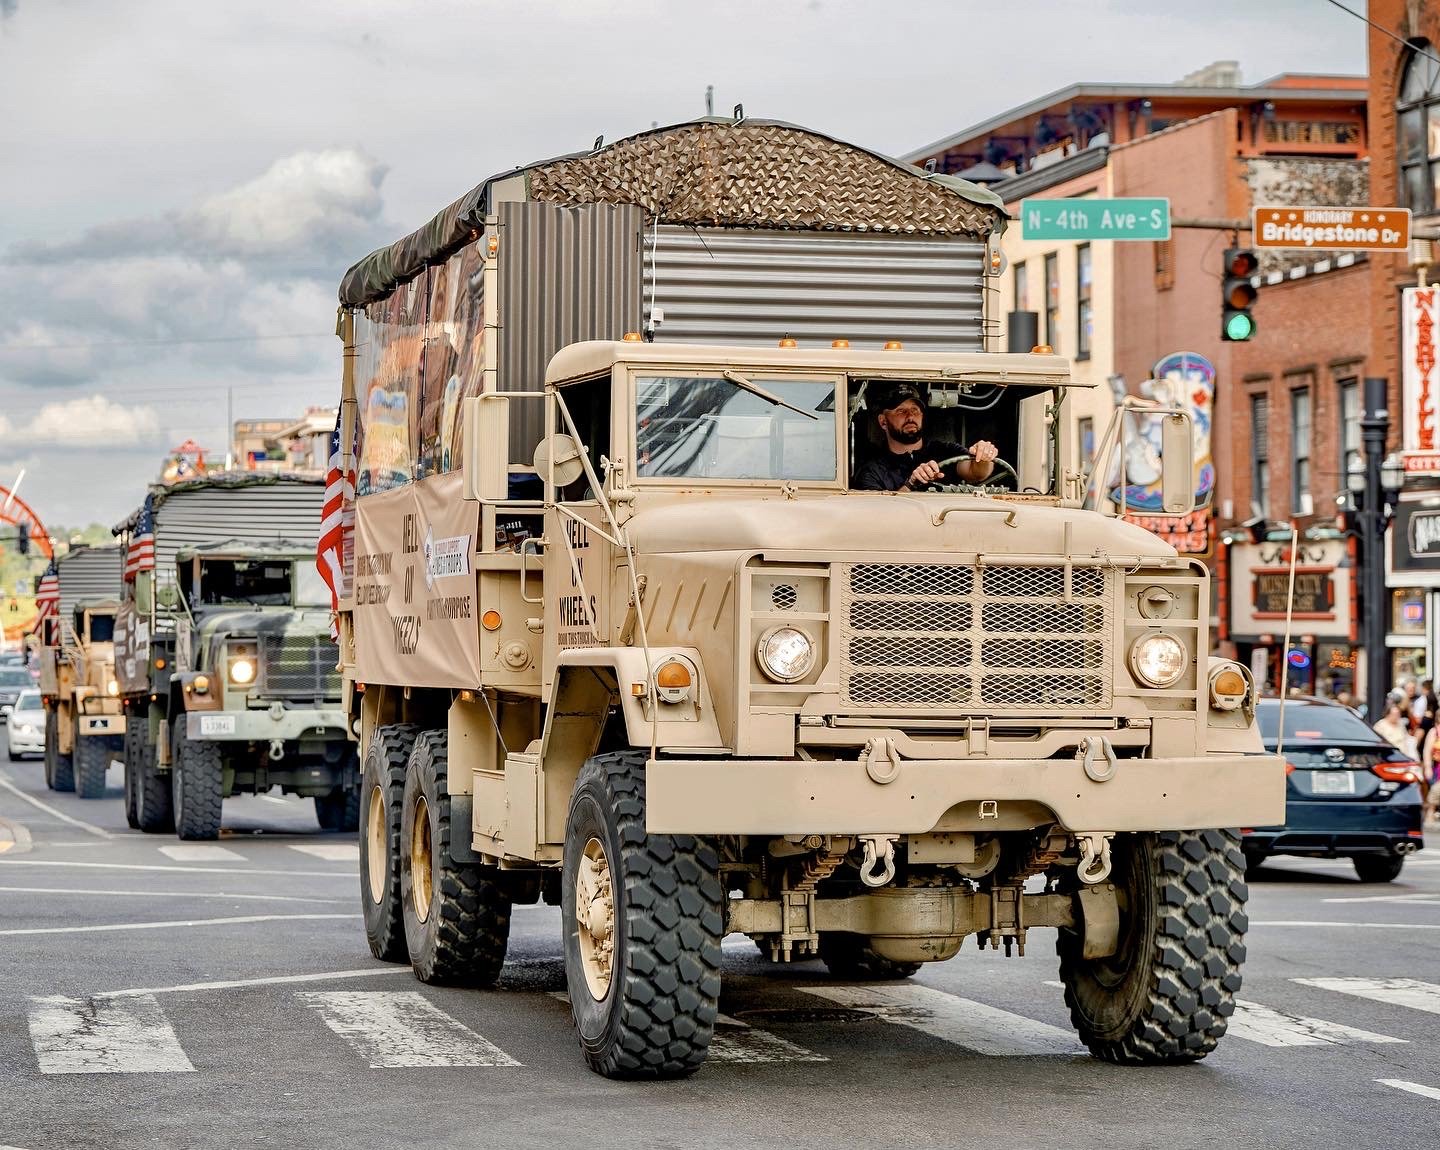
(262, 513)
(566, 274)
(88, 573)
(727, 285)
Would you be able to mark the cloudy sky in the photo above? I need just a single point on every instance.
(182, 184)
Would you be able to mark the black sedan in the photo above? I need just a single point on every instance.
(1348, 792)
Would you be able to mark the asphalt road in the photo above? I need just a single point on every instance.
(162, 994)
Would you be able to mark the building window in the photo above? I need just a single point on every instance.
(1164, 264)
(1052, 302)
(1260, 455)
(1022, 287)
(1300, 496)
(1417, 136)
(1349, 430)
(1085, 318)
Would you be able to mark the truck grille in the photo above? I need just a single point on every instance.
(298, 667)
(925, 635)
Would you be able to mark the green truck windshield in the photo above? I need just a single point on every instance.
(690, 427)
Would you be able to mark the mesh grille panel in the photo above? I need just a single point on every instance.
(1005, 638)
(298, 666)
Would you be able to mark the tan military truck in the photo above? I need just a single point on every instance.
(84, 727)
(618, 633)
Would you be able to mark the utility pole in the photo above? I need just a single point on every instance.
(1374, 424)
(229, 428)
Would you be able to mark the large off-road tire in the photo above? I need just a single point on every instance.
(1166, 994)
(851, 956)
(92, 763)
(154, 803)
(197, 784)
(59, 769)
(457, 918)
(1378, 868)
(382, 797)
(643, 916)
(134, 740)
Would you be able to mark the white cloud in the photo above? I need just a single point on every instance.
(96, 423)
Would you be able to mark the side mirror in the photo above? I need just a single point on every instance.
(486, 453)
(1177, 463)
(168, 596)
(145, 592)
(562, 453)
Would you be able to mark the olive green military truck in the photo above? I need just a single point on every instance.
(227, 671)
(617, 632)
(83, 721)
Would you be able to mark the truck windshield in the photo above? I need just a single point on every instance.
(707, 427)
(102, 628)
(255, 582)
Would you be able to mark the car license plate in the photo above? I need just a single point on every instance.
(217, 724)
(1332, 782)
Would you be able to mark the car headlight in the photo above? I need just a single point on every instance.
(242, 671)
(786, 654)
(1158, 659)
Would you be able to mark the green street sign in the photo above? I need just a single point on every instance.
(1146, 218)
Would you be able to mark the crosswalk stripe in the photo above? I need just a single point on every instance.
(104, 1036)
(962, 1021)
(200, 852)
(335, 852)
(1412, 1087)
(735, 1041)
(1256, 1023)
(1410, 992)
(402, 1028)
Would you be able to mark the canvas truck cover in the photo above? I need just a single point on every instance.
(710, 173)
(88, 573)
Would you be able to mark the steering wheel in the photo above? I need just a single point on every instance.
(997, 463)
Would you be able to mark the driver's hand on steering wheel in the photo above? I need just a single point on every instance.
(927, 472)
(983, 451)
(981, 463)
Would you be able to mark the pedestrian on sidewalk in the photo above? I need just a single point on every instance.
(1393, 728)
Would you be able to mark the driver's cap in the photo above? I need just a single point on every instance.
(896, 394)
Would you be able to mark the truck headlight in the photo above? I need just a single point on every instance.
(786, 654)
(112, 687)
(1158, 659)
(242, 671)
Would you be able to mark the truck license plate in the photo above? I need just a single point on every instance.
(1332, 782)
(217, 724)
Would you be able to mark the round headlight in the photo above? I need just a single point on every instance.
(242, 671)
(113, 687)
(1158, 659)
(786, 654)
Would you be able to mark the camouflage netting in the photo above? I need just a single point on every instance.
(710, 173)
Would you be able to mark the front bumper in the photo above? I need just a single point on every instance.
(26, 744)
(786, 796)
(263, 726)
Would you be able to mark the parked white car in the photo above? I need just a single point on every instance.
(25, 732)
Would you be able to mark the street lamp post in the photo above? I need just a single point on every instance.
(1374, 490)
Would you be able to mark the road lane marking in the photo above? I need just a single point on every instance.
(88, 828)
(200, 852)
(391, 1029)
(79, 1036)
(334, 852)
(179, 922)
(1409, 992)
(346, 875)
(1422, 897)
(1412, 1087)
(221, 895)
(1256, 1023)
(1358, 925)
(241, 983)
(735, 1042)
(962, 1021)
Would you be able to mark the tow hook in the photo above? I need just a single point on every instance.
(878, 867)
(1095, 748)
(1094, 857)
(277, 750)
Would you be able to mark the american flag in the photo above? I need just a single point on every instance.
(337, 522)
(47, 593)
(141, 554)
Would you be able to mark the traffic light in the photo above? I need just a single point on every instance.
(22, 539)
(1237, 295)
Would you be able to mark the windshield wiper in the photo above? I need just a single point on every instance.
(754, 389)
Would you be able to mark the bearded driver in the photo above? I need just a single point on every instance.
(909, 462)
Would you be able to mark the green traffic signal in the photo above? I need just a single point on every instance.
(1238, 294)
(1239, 326)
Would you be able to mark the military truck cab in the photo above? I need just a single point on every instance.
(84, 727)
